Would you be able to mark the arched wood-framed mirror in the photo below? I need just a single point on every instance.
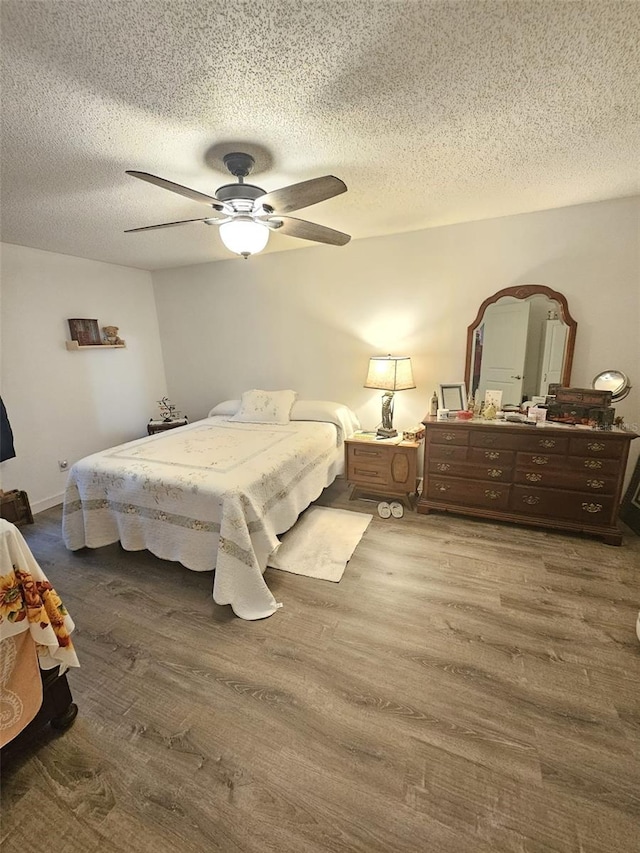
(521, 340)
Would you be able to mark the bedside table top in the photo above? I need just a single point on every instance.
(370, 438)
(156, 422)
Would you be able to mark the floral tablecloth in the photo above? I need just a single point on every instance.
(35, 630)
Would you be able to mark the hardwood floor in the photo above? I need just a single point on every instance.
(467, 686)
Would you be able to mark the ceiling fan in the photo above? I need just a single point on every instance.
(245, 214)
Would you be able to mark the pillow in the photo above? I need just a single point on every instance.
(265, 407)
(228, 407)
(326, 410)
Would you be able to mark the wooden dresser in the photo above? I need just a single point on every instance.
(561, 477)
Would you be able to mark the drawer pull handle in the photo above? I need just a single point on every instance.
(531, 499)
(533, 478)
(596, 445)
(492, 454)
(492, 495)
(547, 442)
(439, 487)
(443, 466)
(540, 460)
(448, 436)
(592, 463)
(595, 484)
(489, 440)
(494, 472)
(592, 507)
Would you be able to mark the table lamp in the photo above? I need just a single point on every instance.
(389, 374)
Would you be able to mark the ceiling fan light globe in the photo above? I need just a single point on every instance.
(244, 236)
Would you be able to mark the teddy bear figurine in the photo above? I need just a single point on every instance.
(111, 335)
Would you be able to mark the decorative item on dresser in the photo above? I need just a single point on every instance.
(452, 396)
(562, 477)
(376, 468)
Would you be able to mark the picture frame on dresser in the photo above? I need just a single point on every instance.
(452, 396)
(630, 507)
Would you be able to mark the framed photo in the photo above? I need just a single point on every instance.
(452, 396)
(493, 398)
(630, 508)
(85, 332)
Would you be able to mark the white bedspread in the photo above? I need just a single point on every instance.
(213, 494)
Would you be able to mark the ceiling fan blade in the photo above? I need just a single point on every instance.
(194, 195)
(165, 225)
(303, 194)
(308, 231)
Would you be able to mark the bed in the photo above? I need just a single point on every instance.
(214, 494)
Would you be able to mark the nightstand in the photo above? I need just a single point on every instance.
(377, 468)
(161, 426)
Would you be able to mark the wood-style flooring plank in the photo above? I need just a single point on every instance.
(467, 686)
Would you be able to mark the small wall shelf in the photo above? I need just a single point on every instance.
(72, 346)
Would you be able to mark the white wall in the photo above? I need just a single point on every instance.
(306, 319)
(310, 319)
(65, 405)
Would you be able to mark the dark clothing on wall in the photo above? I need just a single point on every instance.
(6, 435)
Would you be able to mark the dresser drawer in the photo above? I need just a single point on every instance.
(468, 492)
(444, 435)
(594, 446)
(494, 438)
(359, 472)
(594, 466)
(556, 478)
(540, 443)
(539, 461)
(492, 472)
(560, 504)
(491, 457)
(446, 451)
(364, 452)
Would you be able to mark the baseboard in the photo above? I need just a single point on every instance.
(47, 503)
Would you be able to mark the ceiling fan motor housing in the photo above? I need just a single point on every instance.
(231, 192)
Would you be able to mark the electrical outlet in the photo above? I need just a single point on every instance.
(63, 464)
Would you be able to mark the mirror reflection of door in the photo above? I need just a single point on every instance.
(548, 340)
(555, 342)
(504, 350)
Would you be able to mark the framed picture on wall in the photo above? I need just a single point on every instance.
(85, 332)
(452, 396)
(630, 508)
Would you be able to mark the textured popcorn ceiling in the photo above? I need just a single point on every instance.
(431, 112)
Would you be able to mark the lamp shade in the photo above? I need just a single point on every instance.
(244, 236)
(390, 373)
